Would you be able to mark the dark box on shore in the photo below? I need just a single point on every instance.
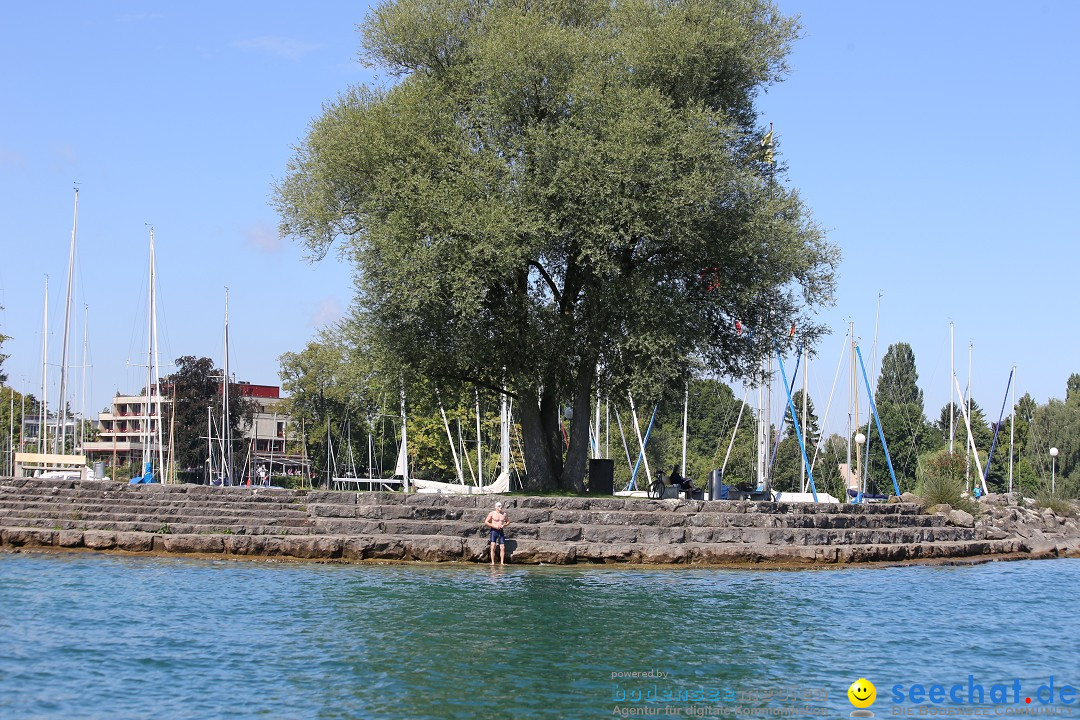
(601, 477)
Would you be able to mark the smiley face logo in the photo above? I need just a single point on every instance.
(862, 693)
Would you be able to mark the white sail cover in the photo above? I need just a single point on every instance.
(501, 485)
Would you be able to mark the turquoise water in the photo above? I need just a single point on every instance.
(100, 636)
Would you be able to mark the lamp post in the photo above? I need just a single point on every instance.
(1053, 470)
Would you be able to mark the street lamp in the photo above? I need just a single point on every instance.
(1053, 469)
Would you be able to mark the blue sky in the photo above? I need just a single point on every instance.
(933, 141)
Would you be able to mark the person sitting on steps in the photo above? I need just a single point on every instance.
(678, 481)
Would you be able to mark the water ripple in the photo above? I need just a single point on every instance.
(98, 636)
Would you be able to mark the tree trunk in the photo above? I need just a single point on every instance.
(577, 455)
(542, 439)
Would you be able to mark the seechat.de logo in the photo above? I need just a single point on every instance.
(862, 694)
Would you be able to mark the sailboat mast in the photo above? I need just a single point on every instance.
(209, 445)
(226, 428)
(1012, 430)
(967, 473)
(806, 432)
(851, 396)
(82, 401)
(479, 451)
(855, 401)
(146, 455)
(952, 393)
(685, 419)
(61, 413)
(157, 358)
(43, 405)
(504, 435)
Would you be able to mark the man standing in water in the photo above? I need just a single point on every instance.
(496, 523)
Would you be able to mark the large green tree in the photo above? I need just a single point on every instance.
(564, 195)
(192, 388)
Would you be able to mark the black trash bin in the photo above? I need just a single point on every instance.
(601, 477)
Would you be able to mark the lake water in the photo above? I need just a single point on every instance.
(111, 637)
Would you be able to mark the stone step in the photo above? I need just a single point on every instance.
(157, 527)
(446, 549)
(149, 501)
(652, 517)
(317, 497)
(194, 516)
(636, 534)
(162, 508)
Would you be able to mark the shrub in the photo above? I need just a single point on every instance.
(941, 480)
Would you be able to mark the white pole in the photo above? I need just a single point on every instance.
(43, 405)
(450, 439)
(504, 435)
(952, 392)
(11, 432)
(209, 445)
(149, 354)
(727, 455)
(607, 428)
(641, 443)
(226, 428)
(479, 455)
(967, 471)
(61, 412)
(685, 416)
(806, 432)
(1012, 430)
(596, 434)
(82, 401)
(157, 358)
(404, 442)
(971, 441)
(852, 401)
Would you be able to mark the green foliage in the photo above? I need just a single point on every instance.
(787, 467)
(942, 479)
(194, 387)
(1060, 506)
(898, 381)
(561, 196)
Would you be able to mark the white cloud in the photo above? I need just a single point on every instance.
(262, 236)
(329, 311)
(287, 48)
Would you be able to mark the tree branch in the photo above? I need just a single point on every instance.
(550, 281)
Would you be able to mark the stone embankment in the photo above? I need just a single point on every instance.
(353, 527)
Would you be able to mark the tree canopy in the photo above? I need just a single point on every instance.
(561, 196)
(192, 388)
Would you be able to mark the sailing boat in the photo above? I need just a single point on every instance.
(501, 484)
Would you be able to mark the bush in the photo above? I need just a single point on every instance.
(941, 480)
(1058, 504)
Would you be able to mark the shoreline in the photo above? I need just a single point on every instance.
(250, 523)
(459, 564)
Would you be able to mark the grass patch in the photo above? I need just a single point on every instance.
(1059, 505)
(942, 482)
(164, 529)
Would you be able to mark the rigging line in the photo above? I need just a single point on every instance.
(783, 424)
(821, 439)
(626, 448)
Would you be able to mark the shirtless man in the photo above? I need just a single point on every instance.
(496, 523)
